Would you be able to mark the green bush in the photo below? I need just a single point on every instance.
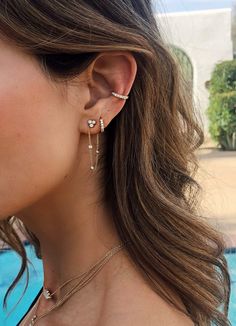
(222, 108)
(223, 78)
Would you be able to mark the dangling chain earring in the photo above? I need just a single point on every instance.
(92, 124)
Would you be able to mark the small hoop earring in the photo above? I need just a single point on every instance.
(123, 97)
(91, 124)
(101, 124)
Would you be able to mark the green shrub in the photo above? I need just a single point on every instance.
(223, 78)
(222, 108)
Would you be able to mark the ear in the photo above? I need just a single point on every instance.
(109, 72)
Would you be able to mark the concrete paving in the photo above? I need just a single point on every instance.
(217, 177)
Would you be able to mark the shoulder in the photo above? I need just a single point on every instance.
(133, 303)
(144, 308)
(137, 319)
(148, 317)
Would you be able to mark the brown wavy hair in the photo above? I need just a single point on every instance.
(149, 161)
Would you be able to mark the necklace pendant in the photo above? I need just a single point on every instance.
(33, 320)
(47, 294)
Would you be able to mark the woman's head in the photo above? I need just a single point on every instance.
(44, 122)
(66, 57)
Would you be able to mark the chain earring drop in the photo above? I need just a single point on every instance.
(91, 124)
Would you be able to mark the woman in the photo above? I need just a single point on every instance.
(97, 162)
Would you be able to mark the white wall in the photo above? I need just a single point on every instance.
(205, 36)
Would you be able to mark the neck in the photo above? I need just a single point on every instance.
(74, 232)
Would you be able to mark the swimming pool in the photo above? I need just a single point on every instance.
(10, 263)
(231, 259)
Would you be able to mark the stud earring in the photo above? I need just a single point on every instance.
(92, 123)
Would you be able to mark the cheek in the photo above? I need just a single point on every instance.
(38, 143)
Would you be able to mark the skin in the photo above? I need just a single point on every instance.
(46, 181)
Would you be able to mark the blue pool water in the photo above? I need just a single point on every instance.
(231, 259)
(10, 263)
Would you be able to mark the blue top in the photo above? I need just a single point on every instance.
(35, 299)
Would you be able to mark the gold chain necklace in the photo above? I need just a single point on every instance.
(85, 278)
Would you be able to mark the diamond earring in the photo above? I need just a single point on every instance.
(123, 97)
(101, 124)
(91, 124)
